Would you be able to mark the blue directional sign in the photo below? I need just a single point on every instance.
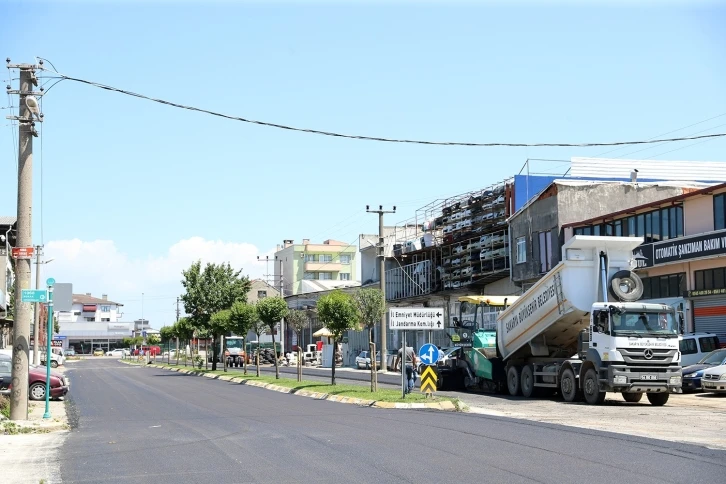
(34, 295)
(50, 281)
(428, 354)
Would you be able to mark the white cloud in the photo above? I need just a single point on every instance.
(101, 267)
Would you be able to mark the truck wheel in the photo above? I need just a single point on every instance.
(626, 286)
(568, 386)
(527, 381)
(658, 399)
(632, 397)
(591, 388)
(54, 364)
(513, 380)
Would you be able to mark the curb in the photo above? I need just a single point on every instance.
(446, 406)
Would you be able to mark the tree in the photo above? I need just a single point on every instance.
(339, 313)
(271, 310)
(167, 334)
(210, 290)
(242, 317)
(153, 339)
(56, 326)
(219, 325)
(298, 320)
(258, 327)
(184, 331)
(371, 305)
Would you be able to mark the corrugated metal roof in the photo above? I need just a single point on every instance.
(705, 171)
(7, 220)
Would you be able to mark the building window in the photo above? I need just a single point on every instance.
(105, 309)
(261, 294)
(521, 250)
(309, 275)
(661, 224)
(345, 259)
(90, 319)
(325, 276)
(710, 279)
(545, 251)
(344, 276)
(105, 320)
(659, 287)
(326, 258)
(309, 257)
(719, 212)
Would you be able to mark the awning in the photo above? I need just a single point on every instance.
(323, 332)
(89, 308)
(489, 300)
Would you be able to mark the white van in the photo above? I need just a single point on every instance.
(56, 359)
(695, 346)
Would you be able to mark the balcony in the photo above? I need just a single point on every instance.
(323, 266)
(408, 281)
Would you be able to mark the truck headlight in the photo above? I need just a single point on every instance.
(675, 380)
(620, 380)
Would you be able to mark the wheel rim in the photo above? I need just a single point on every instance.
(526, 381)
(589, 386)
(38, 392)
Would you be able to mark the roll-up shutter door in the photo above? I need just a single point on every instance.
(709, 316)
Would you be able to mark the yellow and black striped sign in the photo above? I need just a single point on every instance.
(428, 379)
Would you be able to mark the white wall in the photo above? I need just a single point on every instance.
(77, 315)
(698, 215)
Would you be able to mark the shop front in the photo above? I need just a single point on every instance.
(86, 337)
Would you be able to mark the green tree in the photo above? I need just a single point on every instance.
(258, 327)
(271, 310)
(167, 334)
(242, 317)
(298, 320)
(339, 313)
(56, 326)
(210, 290)
(184, 331)
(153, 339)
(371, 305)
(219, 325)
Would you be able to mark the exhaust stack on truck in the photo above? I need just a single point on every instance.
(580, 331)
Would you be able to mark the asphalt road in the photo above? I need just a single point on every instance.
(136, 424)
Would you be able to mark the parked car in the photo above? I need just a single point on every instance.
(695, 346)
(148, 350)
(714, 379)
(117, 352)
(98, 352)
(692, 374)
(70, 352)
(59, 385)
(6, 368)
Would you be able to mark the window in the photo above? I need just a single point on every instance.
(669, 285)
(325, 276)
(344, 276)
(708, 344)
(688, 346)
(345, 258)
(521, 250)
(326, 258)
(105, 320)
(545, 251)
(309, 275)
(719, 211)
(261, 294)
(710, 279)
(659, 224)
(309, 257)
(105, 309)
(90, 318)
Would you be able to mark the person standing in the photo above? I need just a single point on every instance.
(410, 364)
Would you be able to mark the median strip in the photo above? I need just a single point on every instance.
(350, 394)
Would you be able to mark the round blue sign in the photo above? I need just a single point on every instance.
(50, 281)
(428, 354)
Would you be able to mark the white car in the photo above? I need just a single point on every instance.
(117, 353)
(714, 379)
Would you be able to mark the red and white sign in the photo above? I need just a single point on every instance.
(23, 252)
(57, 343)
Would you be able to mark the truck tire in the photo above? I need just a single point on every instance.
(632, 282)
(513, 381)
(658, 399)
(527, 381)
(568, 386)
(591, 388)
(632, 397)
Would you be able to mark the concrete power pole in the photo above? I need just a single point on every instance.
(382, 275)
(23, 315)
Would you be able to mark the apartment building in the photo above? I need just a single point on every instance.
(310, 267)
(93, 323)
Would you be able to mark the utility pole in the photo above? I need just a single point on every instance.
(382, 275)
(28, 105)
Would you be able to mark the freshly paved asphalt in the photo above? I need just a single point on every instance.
(135, 424)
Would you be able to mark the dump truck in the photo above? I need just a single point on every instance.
(579, 331)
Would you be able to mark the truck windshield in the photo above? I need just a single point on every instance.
(234, 343)
(662, 324)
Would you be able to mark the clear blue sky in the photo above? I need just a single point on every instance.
(146, 176)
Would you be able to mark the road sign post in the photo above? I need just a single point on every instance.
(416, 319)
(428, 380)
(428, 354)
(49, 339)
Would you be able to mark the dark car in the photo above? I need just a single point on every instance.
(692, 374)
(6, 368)
(36, 380)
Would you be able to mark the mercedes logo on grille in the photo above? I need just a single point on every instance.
(648, 353)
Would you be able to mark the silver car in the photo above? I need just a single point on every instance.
(714, 379)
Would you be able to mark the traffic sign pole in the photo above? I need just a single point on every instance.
(404, 383)
(48, 354)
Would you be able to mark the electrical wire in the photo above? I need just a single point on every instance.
(377, 138)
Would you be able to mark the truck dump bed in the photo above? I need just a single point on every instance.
(547, 319)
